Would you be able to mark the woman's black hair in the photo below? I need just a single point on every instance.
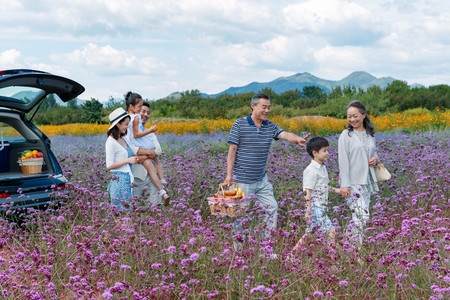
(131, 99)
(366, 122)
(114, 132)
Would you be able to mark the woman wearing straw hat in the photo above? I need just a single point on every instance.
(120, 155)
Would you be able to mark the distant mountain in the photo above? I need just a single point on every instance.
(298, 81)
(417, 85)
(32, 95)
(24, 94)
(172, 97)
(364, 80)
(61, 103)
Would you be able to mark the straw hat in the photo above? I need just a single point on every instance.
(117, 115)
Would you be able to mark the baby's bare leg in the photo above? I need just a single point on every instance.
(158, 168)
(150, 167)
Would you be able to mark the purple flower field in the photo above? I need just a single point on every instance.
(85, 249)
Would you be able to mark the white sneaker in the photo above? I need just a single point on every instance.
(273, 256)
(165, 197)
(238, 246)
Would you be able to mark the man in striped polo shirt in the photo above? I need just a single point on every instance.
(250, 139)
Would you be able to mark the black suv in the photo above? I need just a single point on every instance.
(21, 91)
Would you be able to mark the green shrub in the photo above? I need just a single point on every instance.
(58, 116)
(416, 111)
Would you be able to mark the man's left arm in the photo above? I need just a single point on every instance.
(293, 138)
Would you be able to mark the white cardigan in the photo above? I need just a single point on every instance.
(116, 152)
(353, 162)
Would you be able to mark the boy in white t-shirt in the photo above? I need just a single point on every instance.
(316, 188)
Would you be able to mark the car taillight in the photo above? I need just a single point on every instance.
(4, 195)
(60, 187)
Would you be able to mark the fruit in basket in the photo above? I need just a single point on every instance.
(230, 193)
(30, 154)
(240, 194)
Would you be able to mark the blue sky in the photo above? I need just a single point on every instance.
(157, 47)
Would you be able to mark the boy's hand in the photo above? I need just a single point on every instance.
(345, 192)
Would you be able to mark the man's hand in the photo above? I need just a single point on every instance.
(150, 153)
(302, 140)
(228, 180)
(372, 161)
(293, 138)
(142, 158)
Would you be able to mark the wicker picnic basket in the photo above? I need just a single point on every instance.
(229, 205)
(31, 165)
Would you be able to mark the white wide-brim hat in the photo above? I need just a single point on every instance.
(117, 115)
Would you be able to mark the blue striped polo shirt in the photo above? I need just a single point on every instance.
(253, 148)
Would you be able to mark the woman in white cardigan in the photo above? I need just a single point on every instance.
(357, 153)
(120, 155)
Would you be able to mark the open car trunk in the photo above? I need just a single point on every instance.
(21, 91)
(15, 186)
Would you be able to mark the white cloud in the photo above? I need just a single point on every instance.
(275, 50)
(10, 59)
(109, 61)
(319, 15)
(117, 17)
(11, 5)
(162, 46)
(13, 59)
(285, 52)
(341, 57)
(232, 10)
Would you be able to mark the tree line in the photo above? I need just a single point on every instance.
(51, 113)
(311, 100)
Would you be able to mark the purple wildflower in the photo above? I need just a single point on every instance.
(194, 256)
